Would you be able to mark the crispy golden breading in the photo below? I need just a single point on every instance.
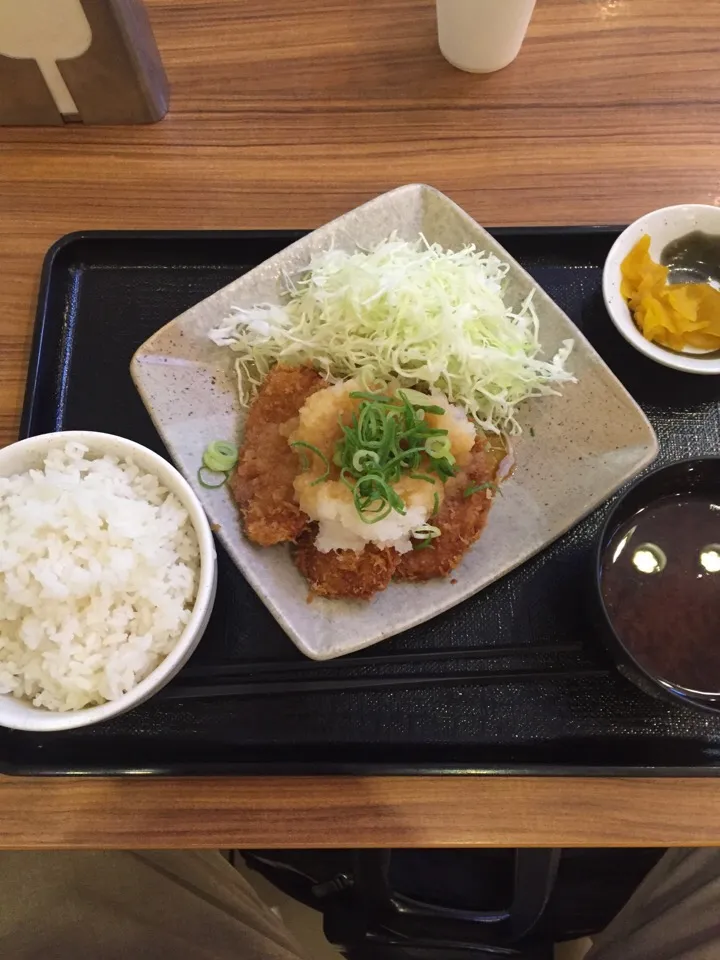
(461, 520)
(264, 489)
(344, 573)
(263, 483)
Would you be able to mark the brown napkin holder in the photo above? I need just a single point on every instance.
(119, 79)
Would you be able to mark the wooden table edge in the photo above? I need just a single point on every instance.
(334, 812)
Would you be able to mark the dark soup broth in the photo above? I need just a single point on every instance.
(660, 581)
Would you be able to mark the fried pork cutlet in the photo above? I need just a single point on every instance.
(461, 520)
(341, 574)
(267, 465)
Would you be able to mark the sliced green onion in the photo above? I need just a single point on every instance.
(389, 437)
(436, 505)
(404, 455)
(362, 456)
(438, 447)
(422, 544)
(426, 532)
(220, 456)
(477, 487)
(445, 468)
(218, 478)
(380, 492)
(422, 400)
(344, 479)
(319, 453)
(373, 397)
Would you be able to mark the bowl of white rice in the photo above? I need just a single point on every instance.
(107, 578)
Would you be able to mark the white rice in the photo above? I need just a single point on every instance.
(98, 573)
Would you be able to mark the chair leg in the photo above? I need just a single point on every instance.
(535, 875)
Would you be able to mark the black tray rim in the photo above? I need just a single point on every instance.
(325, 769)
(313, 768)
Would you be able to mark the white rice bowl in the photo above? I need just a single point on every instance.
(100, 575)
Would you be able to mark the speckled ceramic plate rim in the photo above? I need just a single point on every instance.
(408, 604)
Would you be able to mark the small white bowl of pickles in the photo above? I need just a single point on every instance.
(661, 285)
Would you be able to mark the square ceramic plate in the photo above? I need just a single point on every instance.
(583, 445)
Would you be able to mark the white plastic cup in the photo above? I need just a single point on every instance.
(482, 36)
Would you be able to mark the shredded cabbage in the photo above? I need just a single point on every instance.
(410, 311)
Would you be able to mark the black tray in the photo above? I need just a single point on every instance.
(511, 681)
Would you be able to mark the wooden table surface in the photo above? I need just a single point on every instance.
(285, 114)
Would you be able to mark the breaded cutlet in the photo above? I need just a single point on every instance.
(267, 465)
(344, 574)
(461, 520)
(263, 488)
